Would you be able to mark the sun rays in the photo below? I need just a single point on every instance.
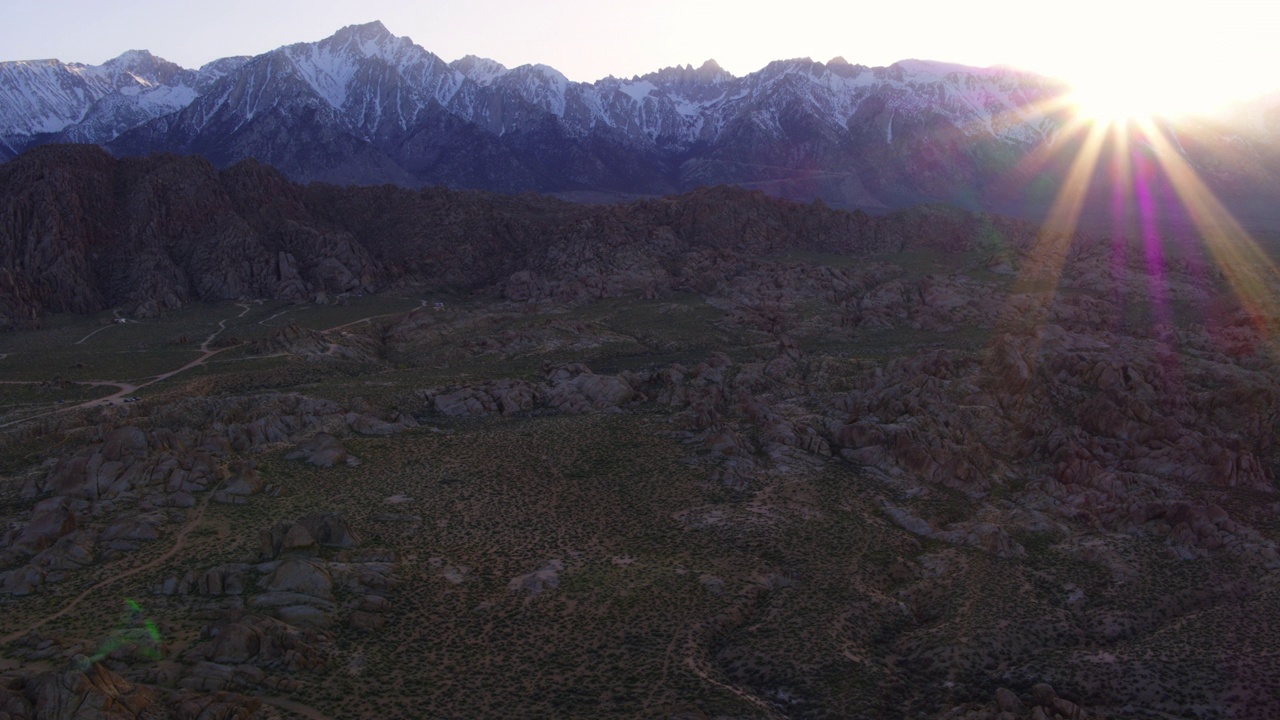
(1133, 168)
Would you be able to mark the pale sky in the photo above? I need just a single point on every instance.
(1229, 47)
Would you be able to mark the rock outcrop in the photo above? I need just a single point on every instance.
(130, 233)
(96, 692)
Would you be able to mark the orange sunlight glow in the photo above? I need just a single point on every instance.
(1249, 270)
(1043, 266)
(1037, 281)
(1113, 122)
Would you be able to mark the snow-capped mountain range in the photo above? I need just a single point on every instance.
(366, 106)
(95, 103)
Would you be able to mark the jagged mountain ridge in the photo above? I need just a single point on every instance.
(374, 107)
(353, 70)
(50, 101)
(365, 106)
(82, 231)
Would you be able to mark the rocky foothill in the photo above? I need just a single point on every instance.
(141, 484)
(1070, 423)
(931, 464)
(84, 232)
(129, 485)
(91, 691)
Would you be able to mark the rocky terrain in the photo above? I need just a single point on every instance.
(83, 232)
(711, 456)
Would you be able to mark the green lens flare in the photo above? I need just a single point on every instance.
(147, 639)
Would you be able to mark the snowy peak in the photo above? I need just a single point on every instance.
(339, 53)
(370, 31)
(132, 61)
(379, 84)
(542, 85)
(545, 72)
(843, 68)
(368, 41)
(142, 68)
(690, 88)
(712, 68)
(357, 58)
(709, 73)
(48, 96)
(930, 70)
(212, 72)
(481, 71)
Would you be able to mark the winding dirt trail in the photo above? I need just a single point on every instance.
(95, 332)
(264, 321)
(696, 664)
(421, 304)
(115, 312)
(126, 389)
(666, 665)
(179, 540)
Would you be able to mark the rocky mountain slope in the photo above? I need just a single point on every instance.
(365, 106)
(50, 101)
(83, 232)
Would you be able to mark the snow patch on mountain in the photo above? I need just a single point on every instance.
(481, 71)
(43, 96)
(211, 72)
(637, 91)
(377, 87)
(327, 73)
(341, 68)
(542, 85)
(372, 77)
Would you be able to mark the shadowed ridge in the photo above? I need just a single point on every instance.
(92, 232)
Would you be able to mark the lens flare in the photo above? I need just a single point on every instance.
(136, 630)
(1043, 266)
(1151, 183)
(1248, 269)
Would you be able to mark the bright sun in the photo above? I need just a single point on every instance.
(1116, 97)
(1111, 104)
(1129, 61)
(1118, 93)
